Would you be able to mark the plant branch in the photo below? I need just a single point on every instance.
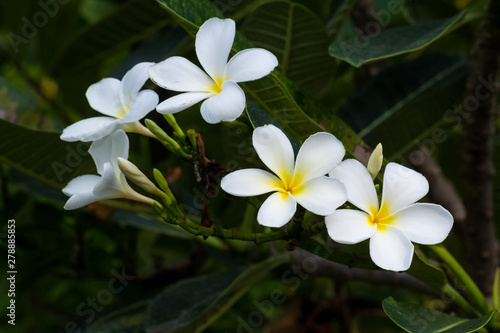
(477, 150)
(335, 270)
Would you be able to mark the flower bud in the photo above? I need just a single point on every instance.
(177, 130)
(166, 140)
(137, 177)
(375, 161)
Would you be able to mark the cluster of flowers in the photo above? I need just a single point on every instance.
(317, 179)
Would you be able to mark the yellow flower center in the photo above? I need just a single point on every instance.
(290, 186)
(124, 110)
(217, 86)
(380, 217)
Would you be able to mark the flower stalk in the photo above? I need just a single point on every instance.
(453, 264)
(166, 140)
(192, 139)
(177, 130)
(162, 182)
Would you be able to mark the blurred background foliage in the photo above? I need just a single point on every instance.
(395, 90)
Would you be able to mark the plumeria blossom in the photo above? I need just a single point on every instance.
(224, 99)
(398, 221)
(302, 182)
(122, 102)
(111, 183)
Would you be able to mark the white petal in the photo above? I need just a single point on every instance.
(402, 187)
(90, 129)
(227, 105)
(181, 102)
(359, 184)
(81, 184)
(145, 102)
(390, 249)
(110, 186)
(81, 199)
(180, 74)
(321, 195)
(277, 210)
(319, 154)
(275, 150)
(349, 226)
(424, 223)
(213, 44)
(108, 149)
(133, 81)
(250, 182)
(104, 96)
(249, 65)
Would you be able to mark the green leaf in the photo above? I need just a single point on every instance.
(19, 107)
(389, 92)
(149, 223)
(341, 12)
(298, 38)
(191, 305)
(274, 93)
(424, 270)
(127, 318)
(94, 10)
(125, 324)
(191, 14)
(496, 183)
(392, 42)
(426, 121)
(42, 155)
(131, 22)
(259, 117)
(417, 319)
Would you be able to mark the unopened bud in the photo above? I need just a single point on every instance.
(192, 138)
(165, 139)
(162, 182)
(375, 161)
(177, 130)
(137, 177)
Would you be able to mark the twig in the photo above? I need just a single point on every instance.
(329, 268)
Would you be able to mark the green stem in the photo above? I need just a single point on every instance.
(294, 226)
(173, 123)
(199, 230)
(459, 299)
(192, 138)
(476, 294)
(223, 233)
(496, 300)
(167, 141)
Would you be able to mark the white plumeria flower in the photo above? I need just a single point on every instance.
(121, 101)
(303, 182)
(225, 100)
(111, 183)
(398, 221)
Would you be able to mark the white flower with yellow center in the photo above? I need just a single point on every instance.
(225, 100)
(122, 101)
(398, 221)
(111, 183)
(303, 181)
